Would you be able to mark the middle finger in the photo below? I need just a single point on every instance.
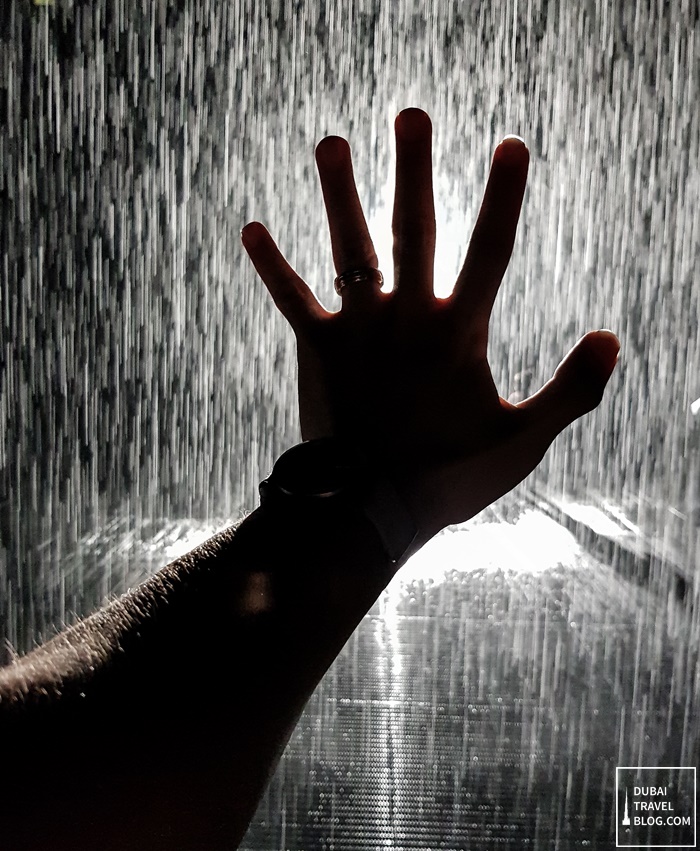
(414, 209)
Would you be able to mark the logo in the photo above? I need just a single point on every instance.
(655, 807)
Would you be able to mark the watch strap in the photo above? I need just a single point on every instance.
(373, 495)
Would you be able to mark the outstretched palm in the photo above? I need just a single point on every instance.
(404, 374)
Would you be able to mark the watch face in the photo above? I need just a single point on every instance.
(317, 468)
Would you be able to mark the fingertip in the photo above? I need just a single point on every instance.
(252, 234)
(512, 149)
(332, 150)
(611, 339)
(413, 123)
(604, 351)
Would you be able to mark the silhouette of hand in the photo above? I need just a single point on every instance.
(404, 374)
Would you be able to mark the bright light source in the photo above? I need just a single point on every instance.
(533, 544)
(451, 242)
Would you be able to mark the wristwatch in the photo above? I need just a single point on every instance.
(330, 476)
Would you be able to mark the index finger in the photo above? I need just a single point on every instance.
(492, 240)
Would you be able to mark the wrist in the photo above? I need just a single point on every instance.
(332, 477)
(413, 488)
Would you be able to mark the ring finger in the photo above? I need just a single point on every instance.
(350, 239)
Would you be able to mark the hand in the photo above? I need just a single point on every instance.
(404, 374)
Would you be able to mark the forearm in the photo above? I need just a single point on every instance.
(199, 677)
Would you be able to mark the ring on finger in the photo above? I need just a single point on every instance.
(358, 276)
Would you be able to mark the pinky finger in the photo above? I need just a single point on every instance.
(292, 296)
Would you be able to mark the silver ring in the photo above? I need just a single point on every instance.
(357, 276)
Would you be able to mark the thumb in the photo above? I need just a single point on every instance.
(577, 385)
